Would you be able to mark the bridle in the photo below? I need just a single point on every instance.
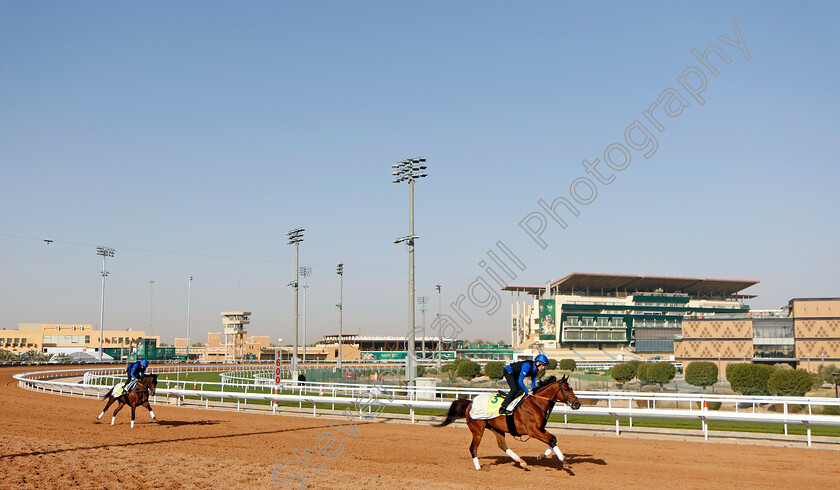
(562, 390)
(141, 388)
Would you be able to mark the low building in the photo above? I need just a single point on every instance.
(382, 347)
(68, 338)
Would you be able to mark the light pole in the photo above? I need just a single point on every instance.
(410, 170)
(151, 307)
(295, 237)
(105, 252)
(305, 272)
(340, 271)
(421, 300)
(437, 286)
(189, 296)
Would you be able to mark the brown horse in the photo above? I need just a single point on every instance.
(529, 419)
(139, 395)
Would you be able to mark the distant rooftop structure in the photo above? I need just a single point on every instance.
(589, 284)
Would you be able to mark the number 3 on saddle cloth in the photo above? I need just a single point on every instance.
(486, 406)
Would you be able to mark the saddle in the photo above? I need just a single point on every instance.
(516, 401)
(123, 389)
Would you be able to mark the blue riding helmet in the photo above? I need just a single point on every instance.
(542, 359)
(144, 363)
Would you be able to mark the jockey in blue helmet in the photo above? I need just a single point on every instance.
(136, 371)
(515, 375)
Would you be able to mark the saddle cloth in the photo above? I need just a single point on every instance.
(487, 406)
(121, 389)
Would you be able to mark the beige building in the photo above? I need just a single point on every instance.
(805, 334)
(723, 341)
(816, 329)
(66, 337)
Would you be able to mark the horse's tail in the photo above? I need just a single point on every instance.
(109, 392)
(457, 410)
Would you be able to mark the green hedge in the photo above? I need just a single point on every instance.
(795, 382)
(657, 372)
(468, 369)
(623, 372)
(452, 367)
(567, 364)
(701, 373)
(494, 370)
(750, 379)
(552, 364)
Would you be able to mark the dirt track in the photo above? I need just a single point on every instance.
(55, 441)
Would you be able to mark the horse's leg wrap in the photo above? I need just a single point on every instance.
(475, 462)
(548, 453)
(112, 419)
(152, 412)
(132, 424)
(559, 453)
(100, 415)
(515, 457)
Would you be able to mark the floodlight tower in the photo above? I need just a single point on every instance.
(421, 300)
(340, 271)
(104, 252)
(410, 170)
(304, 271)
(295, 237)
(437, 286)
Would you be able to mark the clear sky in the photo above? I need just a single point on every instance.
(191, 136)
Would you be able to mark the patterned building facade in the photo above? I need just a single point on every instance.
(814, 338)
(816, 326)
(723, 341)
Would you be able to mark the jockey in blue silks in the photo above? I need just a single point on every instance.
(515, 375)
(136, 371)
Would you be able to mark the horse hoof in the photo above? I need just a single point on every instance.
(541, 457)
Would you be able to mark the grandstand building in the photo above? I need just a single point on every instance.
(615, 317)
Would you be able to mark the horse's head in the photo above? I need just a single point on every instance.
(150, 382)
(565, 394)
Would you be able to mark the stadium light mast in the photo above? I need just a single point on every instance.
(410, 170)
(437, 286)
(340, 271)
(295, 237)
(304, 271)
(104, 252)
(421, 300)
(189, 296)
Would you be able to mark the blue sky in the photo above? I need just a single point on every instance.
(191, 137)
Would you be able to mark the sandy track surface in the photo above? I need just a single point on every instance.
(49, 441)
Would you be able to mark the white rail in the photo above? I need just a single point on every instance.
(407, 398)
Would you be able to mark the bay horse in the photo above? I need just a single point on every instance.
(139, 395)
(529, 419)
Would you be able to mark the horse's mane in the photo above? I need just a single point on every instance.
(546, 381)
